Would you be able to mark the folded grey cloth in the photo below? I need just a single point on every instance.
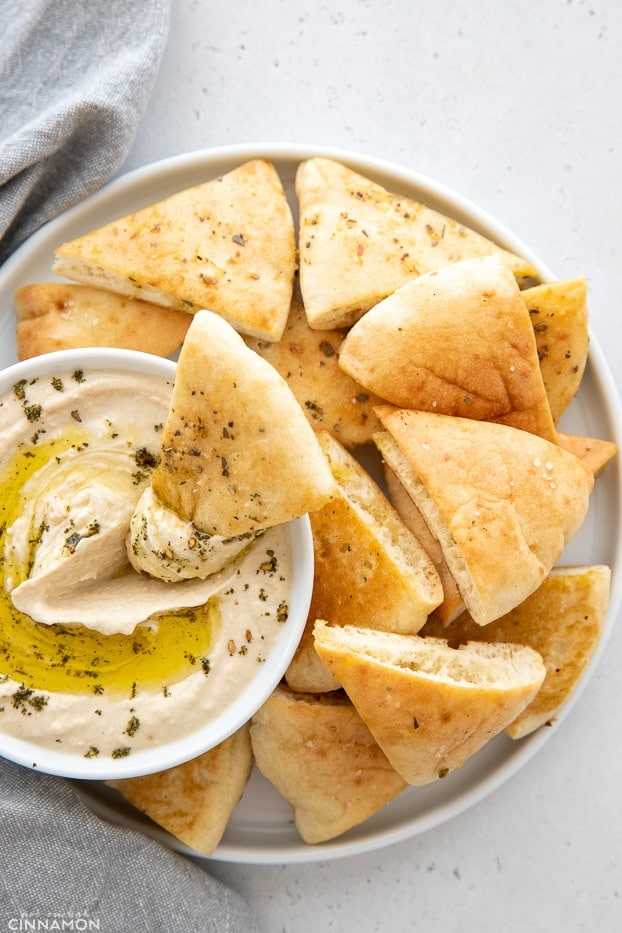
(59, 863)
(75, 78)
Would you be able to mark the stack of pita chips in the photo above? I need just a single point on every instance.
(428, 372)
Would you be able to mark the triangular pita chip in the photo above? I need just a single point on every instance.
(595, 452)
(193, 801)
(238, 454)
(457, 341)
(359, 242)
(309, 361)
(368, 566)
(563, 621)
(62, 315)
(429, 706)
(227, 244)
(323, 760)
(503, 503)
(559, 316)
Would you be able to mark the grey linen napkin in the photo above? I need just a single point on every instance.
(75, 77)
(60, 863)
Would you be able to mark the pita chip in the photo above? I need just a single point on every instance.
(595, 452)
(359, 242)
(238, 454)
(429, 706)
(194, 801)
(563, 621)
(457, 341)
(227, 244)
(453, 604)
(309, 361)
(323, 760)
(502, 503)
(559, 316)
(62, 315)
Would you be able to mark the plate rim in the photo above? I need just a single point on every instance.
(598, 366)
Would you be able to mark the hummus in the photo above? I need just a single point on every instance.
(96, 657)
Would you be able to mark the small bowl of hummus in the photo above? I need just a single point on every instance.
(108, 671)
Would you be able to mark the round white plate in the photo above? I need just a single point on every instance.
(261, 828)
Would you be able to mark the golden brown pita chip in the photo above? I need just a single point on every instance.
(193, 801)
(563, 621)
(457, 341)
(59, 316)
(323, 760)
(503, 503)
(359, 242)
(309, 362)
(429, 706)
(238, 454)
(594, 452)
(559, 316)
(227, 245)
(368, 566)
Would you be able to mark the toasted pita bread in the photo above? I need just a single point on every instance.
(429, 706)
(503, 503)
(594, 452)
(563, 621)
(559, 316)
(359, 242)
(309, 361)
(58, 316)
(368, 565)
(457, 341)
(323, 760)
(227, 244)
(453, 603)
(194, 801)
(238, 454)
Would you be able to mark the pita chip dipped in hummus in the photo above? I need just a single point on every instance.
(101, 661)
(238, 457)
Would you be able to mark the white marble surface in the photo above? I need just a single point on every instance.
(518, 107)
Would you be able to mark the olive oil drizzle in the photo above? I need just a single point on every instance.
(73, 658)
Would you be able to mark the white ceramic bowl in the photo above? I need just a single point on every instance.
(268, 674)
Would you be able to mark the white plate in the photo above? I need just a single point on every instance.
(261, 829)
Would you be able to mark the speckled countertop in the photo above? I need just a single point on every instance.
(517, 107)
